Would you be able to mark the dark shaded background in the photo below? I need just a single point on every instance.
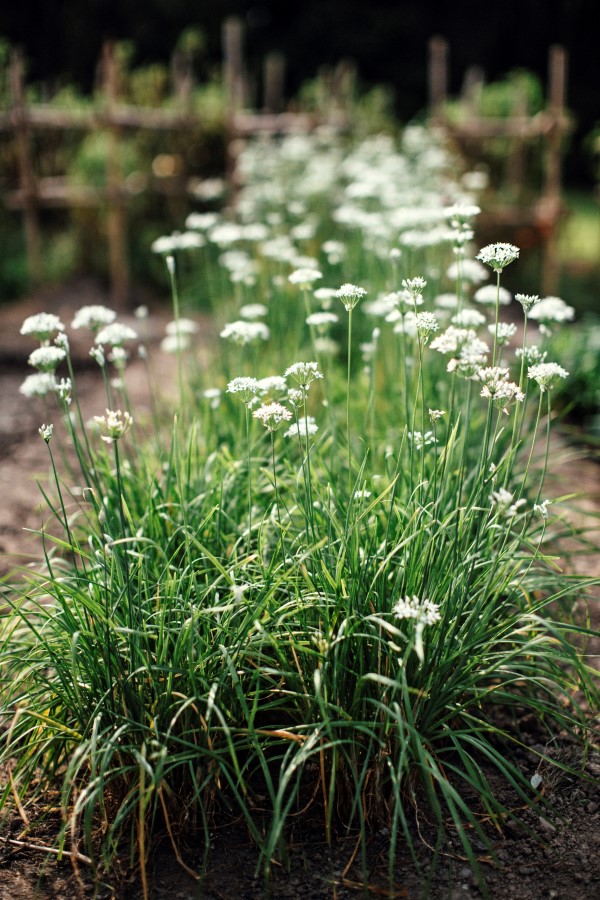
(386, 39)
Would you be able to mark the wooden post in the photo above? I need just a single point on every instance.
(233, 79)
(551, 200)
(274, 77)
(233, 64)
(471, 90)
(116, 227)
(438, 76)
(20, 124)
(182, 76)
(515, 163)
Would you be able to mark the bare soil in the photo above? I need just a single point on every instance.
(558, 857)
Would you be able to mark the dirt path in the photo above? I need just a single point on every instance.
(564, 865)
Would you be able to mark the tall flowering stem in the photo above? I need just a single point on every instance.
(350, 295)
(545, 374)
(46, 432)
(527, 302)
(170, 262)
(498, 256)
(113, 426)
(246, 390)
(273, 416)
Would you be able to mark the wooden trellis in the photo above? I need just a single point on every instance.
(541, 216)
(115, 118)
(110, 115)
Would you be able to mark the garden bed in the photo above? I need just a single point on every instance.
(559, 862)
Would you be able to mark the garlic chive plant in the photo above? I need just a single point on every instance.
(250, 622)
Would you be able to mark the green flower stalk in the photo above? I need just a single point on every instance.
(350, 295)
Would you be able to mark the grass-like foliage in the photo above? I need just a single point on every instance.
(329, 580)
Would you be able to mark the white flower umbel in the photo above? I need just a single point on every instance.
(94, 316)
(421, 440)
(546, 374)
(115, 334)
(46, 432)
(97, 354)
(541, 509)
(304, 373)
(470, 270)
(175, 343)
(201, 221)
(335, 251)
(551, 310)
(42, 326)
(304, 277)
(64, 390)
(272, 384)
(498, 256)
(503, 331)
(498, 389)
(467, 318)
(213, 395)
(461, 214)
(38, 385)
(325, 296)
(452, 339)
(46, 359)
(415, 286)
(242, 333)
(414, 608)
(253, 311)
(272, 415)
(350, 295)
(245, 388)
(182, 326)
(426, 325)
(113, 425)
(169, 243)
(488, 294)
(302, 428)
(436, 414)
(531, 354)
(322, 320)
(527, 301)
(472, 356)
(502, 501)
(423, 612)
(118, 356)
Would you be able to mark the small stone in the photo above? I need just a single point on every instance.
(546, 826)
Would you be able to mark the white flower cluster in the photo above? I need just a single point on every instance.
(498, 256)
(242, 332)
(94, 316)
(272, 415)
(350, 294)
(424, 611)
(113, 425)
(302, 428)
(546, 374)
(498, 388)
(42, 326)
(504, 502)
(304, 373)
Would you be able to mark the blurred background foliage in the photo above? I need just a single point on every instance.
(385, 41)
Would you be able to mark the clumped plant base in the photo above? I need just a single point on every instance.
(324, 587)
